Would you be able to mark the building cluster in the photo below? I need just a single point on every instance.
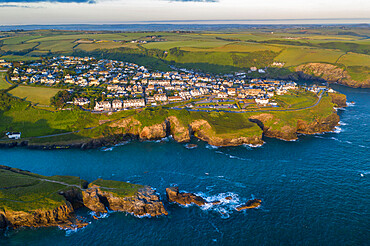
(126, 85)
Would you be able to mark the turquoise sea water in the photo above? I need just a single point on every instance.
(315, 191)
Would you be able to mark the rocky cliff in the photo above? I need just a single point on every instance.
(339, 100)
(183, 198)
(330, 73)
(58, 197)
(179, 132)
(270, 125)
(60, 216)
(203, 130)
(144, 203)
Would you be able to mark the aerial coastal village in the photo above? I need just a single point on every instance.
(109, 86)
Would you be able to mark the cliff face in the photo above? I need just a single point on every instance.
(318, 126)
(340, 100)
(179, 132)
(183, 198)
(60, 198)
(289, 132)
(144, 203)
(203, 130)
(331, 73)
(268, 124)
(59, 216)
(156, 131)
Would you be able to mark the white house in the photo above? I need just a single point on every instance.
(117, 104)
(81, 101)
(13, 135)
(101, 106)
(262, 101)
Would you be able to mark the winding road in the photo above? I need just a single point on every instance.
(194, 110)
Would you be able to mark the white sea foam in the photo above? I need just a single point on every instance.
(101, 215)
(342, 123)
(337, 129)
(70, 231)
(208, 146)
(232, 156)
(107, 148)
(121, 143)
(224, 207)
(350, 104)
(248, 146)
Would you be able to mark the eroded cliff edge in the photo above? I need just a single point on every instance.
(331, 73)
(216, 128)
(32, 200)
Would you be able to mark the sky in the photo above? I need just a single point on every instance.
(14, 12)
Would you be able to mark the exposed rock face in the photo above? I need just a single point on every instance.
(60, 216)
(255, 203)
(339, 99)
(203, 130)
(183, 198)
(179, 132)
(268, 121)
(157, 131)
(289, 132)
(332, 73)
(319, 126)
(145, 202)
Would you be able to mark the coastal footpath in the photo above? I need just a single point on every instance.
(216, 128)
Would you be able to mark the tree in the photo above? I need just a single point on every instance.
(61, 98)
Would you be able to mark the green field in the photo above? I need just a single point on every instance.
(222, 51)
(102, 45)
(120, 189)
(36, 95)
(24, 191)
(353, 59)
(3, 83)
(296, 56)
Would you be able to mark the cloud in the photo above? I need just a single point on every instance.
(10, 3)
(13, 6)
(199, 1)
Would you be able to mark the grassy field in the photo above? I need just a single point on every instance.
(353, 59)
(190, 43)
(120, 189)
(102, 45)
(57, 46)
(36, 95)
(23, 191)
(236, 47)
(296, 100)
(3, 83)
(18, 47)
(300, 55)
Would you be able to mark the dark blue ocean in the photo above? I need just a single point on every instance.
(315, 191)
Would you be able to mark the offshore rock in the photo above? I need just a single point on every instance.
(255, 203)
(183, 198)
